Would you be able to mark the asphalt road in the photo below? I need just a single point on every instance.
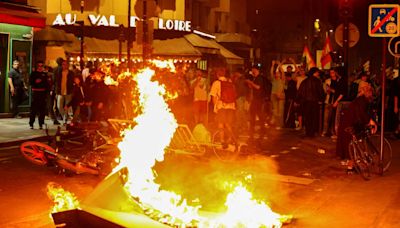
(288, 172)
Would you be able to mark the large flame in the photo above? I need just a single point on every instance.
(63, 200)
(144, 145)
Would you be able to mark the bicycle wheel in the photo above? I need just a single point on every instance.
(224, 151)
(374, 143)
(35, 152)
(361, 163)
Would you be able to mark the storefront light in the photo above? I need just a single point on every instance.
(78, 58)
(71, 59)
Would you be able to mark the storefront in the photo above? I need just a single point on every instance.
(16, 32)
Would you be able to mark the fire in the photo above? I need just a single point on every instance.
(141, 148)
(244, 211)
(144, 145)
(63, 200)
(108, 80)
(164, 64)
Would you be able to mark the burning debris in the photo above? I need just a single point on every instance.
(144, 145)
(63, 200)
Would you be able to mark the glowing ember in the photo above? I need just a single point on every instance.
(108, 80)
(244, 211)
(63, 200)
(164, 64)
(144, 145)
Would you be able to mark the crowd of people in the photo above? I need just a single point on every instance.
(243, 100)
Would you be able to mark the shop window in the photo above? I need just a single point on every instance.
(3, 68)
(21, 50)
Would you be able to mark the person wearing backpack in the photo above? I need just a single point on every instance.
(257, 86)
(223, 95)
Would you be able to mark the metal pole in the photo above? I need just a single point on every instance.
(346, 49)
(145, 32)
(81, 55)
(81, 63)
(383, 91)
(128, 37)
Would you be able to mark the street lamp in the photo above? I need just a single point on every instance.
(121, 39)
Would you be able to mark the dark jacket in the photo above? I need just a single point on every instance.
(17, 78)
(39, 81)
(310, 90)
(57, 80)
(291, 90)
(78, 96)
(357, 115)
(340, 89)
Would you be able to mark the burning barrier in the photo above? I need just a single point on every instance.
(144, 145)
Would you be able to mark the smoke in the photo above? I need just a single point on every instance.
(207, 180)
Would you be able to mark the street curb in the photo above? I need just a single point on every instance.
(20, 141)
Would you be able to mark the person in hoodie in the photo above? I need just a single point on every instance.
(77, 101)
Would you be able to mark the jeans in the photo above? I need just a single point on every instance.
(277, 110)
(63, 100)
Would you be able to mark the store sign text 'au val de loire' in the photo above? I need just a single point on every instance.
(102, 20)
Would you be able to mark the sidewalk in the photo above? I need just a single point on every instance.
(13, 131)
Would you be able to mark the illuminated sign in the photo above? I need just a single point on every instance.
(109, 21)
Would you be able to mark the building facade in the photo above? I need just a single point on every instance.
(18, 20)
(226, 19)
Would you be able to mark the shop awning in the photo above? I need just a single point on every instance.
(21, 15)
(203, 45)
(210, 46)
(230, 57)
(53, 34)
(178, 47)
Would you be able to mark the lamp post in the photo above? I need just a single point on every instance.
(145, 32)
(345, 13)
(121, 39)
(82, 26)
(128, 37)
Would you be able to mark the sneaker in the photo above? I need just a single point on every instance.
(31, 126)
(56, 122)
(41, 127)
(298, 128)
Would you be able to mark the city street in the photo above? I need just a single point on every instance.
(294, 176)
(200, 113)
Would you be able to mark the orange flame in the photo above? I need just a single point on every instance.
(244, 211)
(108, 80)
(169, 64)
(63, 200)
(144, 145)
